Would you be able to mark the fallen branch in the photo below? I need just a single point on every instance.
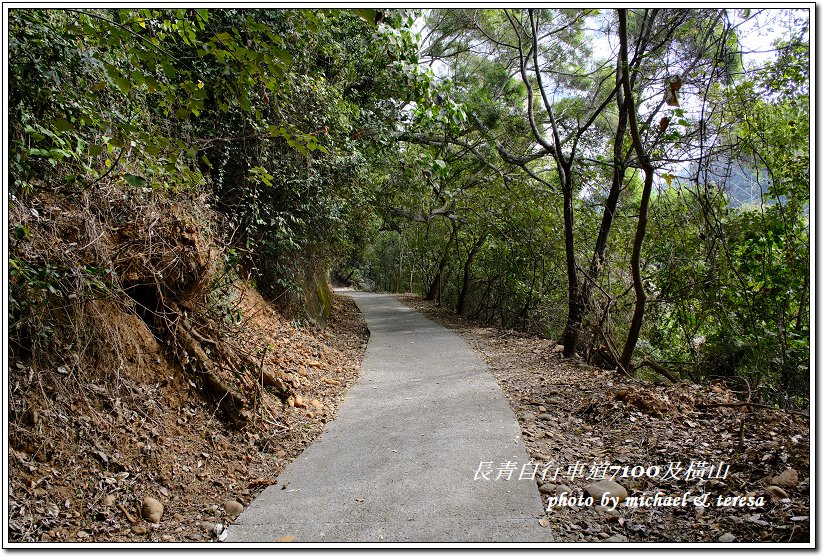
(751, 405)
(129, 517)
(614, 354)
(658, 368)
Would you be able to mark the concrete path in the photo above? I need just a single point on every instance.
(399, 461)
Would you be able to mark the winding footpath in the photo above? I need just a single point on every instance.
(399, 462)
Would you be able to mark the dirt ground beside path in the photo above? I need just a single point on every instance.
(582, 424)
(81, 466)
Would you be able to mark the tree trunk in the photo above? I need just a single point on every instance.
(435, 286)
(575, 309)
(641, 230)
(467, 275)
(573, 327)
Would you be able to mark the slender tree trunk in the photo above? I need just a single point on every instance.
(641, 230)
(435, 285)
(573, 327)
(575, 309)
(467, 275)
(800, 325)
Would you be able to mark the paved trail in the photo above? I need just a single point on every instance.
(398, 463)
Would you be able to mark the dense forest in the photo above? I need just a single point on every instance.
(631, 183)
(561, 171)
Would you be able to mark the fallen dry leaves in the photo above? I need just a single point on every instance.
(82, 464)
(572, 413)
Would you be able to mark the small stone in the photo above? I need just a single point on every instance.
(139, 529)
(726, 538)
(617, 538)
(561, 489)
(542, 409)
(547, 489)
(302, 371)
(152, 509)
(207, 526)
(316, 403)
(233, 508)
(109, 500)
(543, 417)
(606, 487)
(179, 517)
(777, 492)
(787, 478)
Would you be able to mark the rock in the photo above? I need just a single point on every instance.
(777, 492)
(547, 489)
(726, 538)
(152, 509)
(617, 538)
(563, 489)
(302, 371)
(207, 526)
(787, 478)
(109, 500)
(612, 489)
(542, 409)
(139, 529)
(316, 403)
(179, 517)
(299, 402)
(271, 380)
(233, 508)
(544, 417)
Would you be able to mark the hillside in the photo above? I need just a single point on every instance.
(125, 399)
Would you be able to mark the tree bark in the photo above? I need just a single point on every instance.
(573, 325)
(575, 309)
(435, 286)
(467, 275)
(641, 230)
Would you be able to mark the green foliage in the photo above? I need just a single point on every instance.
(322, 138)
(727, 285)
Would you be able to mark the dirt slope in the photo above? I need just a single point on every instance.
(86, 451)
